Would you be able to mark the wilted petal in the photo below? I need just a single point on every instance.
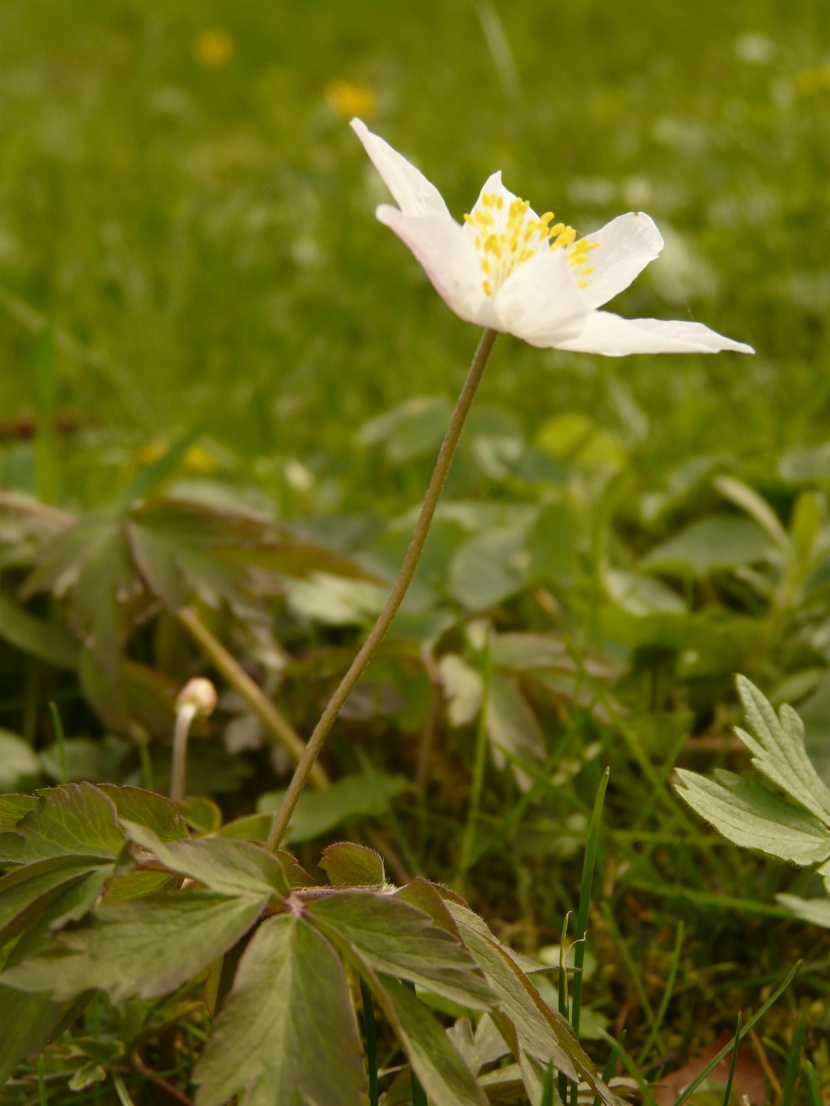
(609, 334)
(539, 302)
(626, 245)
(449, 259)
(413, 193)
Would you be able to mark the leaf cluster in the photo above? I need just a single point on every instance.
(106, 890)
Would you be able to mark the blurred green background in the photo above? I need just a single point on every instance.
(185, 210)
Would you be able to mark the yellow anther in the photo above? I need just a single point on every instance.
(586, 272)
(485, 284)
(546, 218)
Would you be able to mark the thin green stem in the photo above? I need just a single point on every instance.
(377, 633)
(279, 728)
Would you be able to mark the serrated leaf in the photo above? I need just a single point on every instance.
(74, 820)
(393, 937)
(349, 865)
(710, 545)
(26, 891)
(425, 896)
(753, 816)
(48, 642)
(286, 1033)
(777, 746)
(541, 1033)
(221, 864)
(138, 949)
(441, 1071)
(147, 808)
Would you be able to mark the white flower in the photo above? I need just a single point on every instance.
(509, 269)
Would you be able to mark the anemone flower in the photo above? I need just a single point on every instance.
(508, 269)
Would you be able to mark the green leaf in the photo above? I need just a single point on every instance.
(393, 937)
(26, 1024)
(512, 725)
(250, 827)
(85, 759)
(13, 808)
(92, 560)
(752, 816)
(349, 865)
(138, 949)
(157, 471)
(411, 429)
(441, 1071)
(221, 864)
(19, 764)
(202, 814)
(425, 896)
(27, 890)
(363, 795)
(286, 1033)
(816, 911)
(710, 545)
(74, 820)
(777, 747)
(541, 1033)
(489, 568)
(147, 808)
(137, 885)
(50, 643)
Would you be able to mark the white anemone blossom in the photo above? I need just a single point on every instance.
(509, 269)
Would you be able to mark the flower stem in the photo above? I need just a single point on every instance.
(410, 563)
(276, 724)
(184, 720)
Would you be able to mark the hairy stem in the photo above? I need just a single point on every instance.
(308, 760)
(280, 729)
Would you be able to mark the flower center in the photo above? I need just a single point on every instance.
(508, 233)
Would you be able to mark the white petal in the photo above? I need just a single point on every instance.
(613, 336)
(413, 193)
(540, 302)
(626, 245)
(449, 259)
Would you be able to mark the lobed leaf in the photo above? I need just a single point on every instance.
(753, 816)
(393, 937)
(777, 746)
(220, 863)
(29, 889)
(74, 820)
(147, 808)
(138, 949)
(287, 1032)
(441, 1071)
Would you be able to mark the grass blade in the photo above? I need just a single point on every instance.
(611, 1062)
(731, 1077)
(692, 1087)
(791, 1071)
